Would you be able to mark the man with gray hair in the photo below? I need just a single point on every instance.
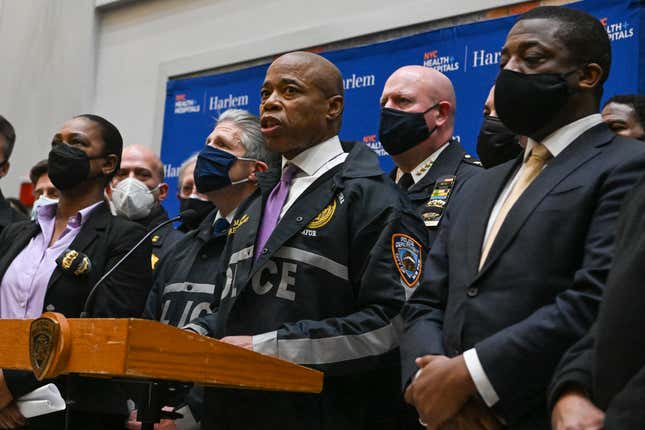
(225, 173)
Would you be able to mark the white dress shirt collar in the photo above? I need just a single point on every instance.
(557, 141)
(423, 167)
(228, 217)
(313, 159)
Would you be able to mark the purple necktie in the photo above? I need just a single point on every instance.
(273, 207)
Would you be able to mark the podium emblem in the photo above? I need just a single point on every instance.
(47, 348)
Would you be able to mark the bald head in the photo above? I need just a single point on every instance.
(301, 102)
(425, 83)
(141, 156)
(318, 70)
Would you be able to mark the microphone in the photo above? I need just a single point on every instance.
(188, 214)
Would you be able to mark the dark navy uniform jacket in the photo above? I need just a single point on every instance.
(326, 292)
(453, 161)
(165, 238)
(184, 286)
(184, 282)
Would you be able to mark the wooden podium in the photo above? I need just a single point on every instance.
(134, 348)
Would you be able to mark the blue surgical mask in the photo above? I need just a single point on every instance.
(212, 167)
(41, 201)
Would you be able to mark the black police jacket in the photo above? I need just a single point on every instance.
(8, 215)
(184, 282)
(326, 292)
(165, 238)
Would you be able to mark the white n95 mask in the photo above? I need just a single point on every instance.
(41, 201)
(132, 199)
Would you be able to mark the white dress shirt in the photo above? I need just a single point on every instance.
(313, 163)
(556, 142)
(423, 167)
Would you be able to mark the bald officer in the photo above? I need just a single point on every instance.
(417, 122)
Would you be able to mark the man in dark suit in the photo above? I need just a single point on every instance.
(516, 279)
(600, 382)
(417, 122)
(8, 214)
(52, 263)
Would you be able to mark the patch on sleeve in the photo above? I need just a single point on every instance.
(407, 258)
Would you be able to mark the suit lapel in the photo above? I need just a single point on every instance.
(490, 184)
(576, 154)
(96, 223)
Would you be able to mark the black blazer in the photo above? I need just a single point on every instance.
(539, 290)
(609, 362)
(8, 215)
(104, 238)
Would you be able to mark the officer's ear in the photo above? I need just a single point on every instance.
(259, 166)
(163, 191)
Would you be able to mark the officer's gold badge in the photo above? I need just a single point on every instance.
(323, 218)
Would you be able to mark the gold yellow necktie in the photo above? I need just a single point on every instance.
(532, 168)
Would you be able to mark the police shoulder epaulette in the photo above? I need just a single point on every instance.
(471, 160)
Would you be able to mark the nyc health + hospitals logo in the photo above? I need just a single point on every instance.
(185, 105)
(443, 64)
(374, 144)
(618, 30)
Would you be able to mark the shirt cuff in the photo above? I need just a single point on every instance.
(196, 328)
(482, 383)
(266, 343)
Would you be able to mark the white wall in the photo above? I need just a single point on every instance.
(47, 69)
(57, 60)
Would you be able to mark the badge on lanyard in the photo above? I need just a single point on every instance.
(434, 208)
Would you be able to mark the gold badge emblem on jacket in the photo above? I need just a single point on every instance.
(323, 218)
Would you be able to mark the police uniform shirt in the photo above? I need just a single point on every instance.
(423, 168)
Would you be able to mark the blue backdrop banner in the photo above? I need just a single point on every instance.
(468, 54)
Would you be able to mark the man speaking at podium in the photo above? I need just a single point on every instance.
(316, 264)
(50, 264)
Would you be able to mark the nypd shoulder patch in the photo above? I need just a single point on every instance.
(407, 257)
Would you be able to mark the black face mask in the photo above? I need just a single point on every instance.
(496, 144)
(400, 130)
(69, 166)
(202, 207)
(527, 103)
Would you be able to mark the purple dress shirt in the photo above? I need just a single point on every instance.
(23, 287)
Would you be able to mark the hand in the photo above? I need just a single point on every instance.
(440, 390)
(5, 395)
(11, 418)
(574, 411)
(133, 424)
(242, 341)
(473, 416)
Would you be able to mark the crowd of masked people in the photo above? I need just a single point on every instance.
(448, 293)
